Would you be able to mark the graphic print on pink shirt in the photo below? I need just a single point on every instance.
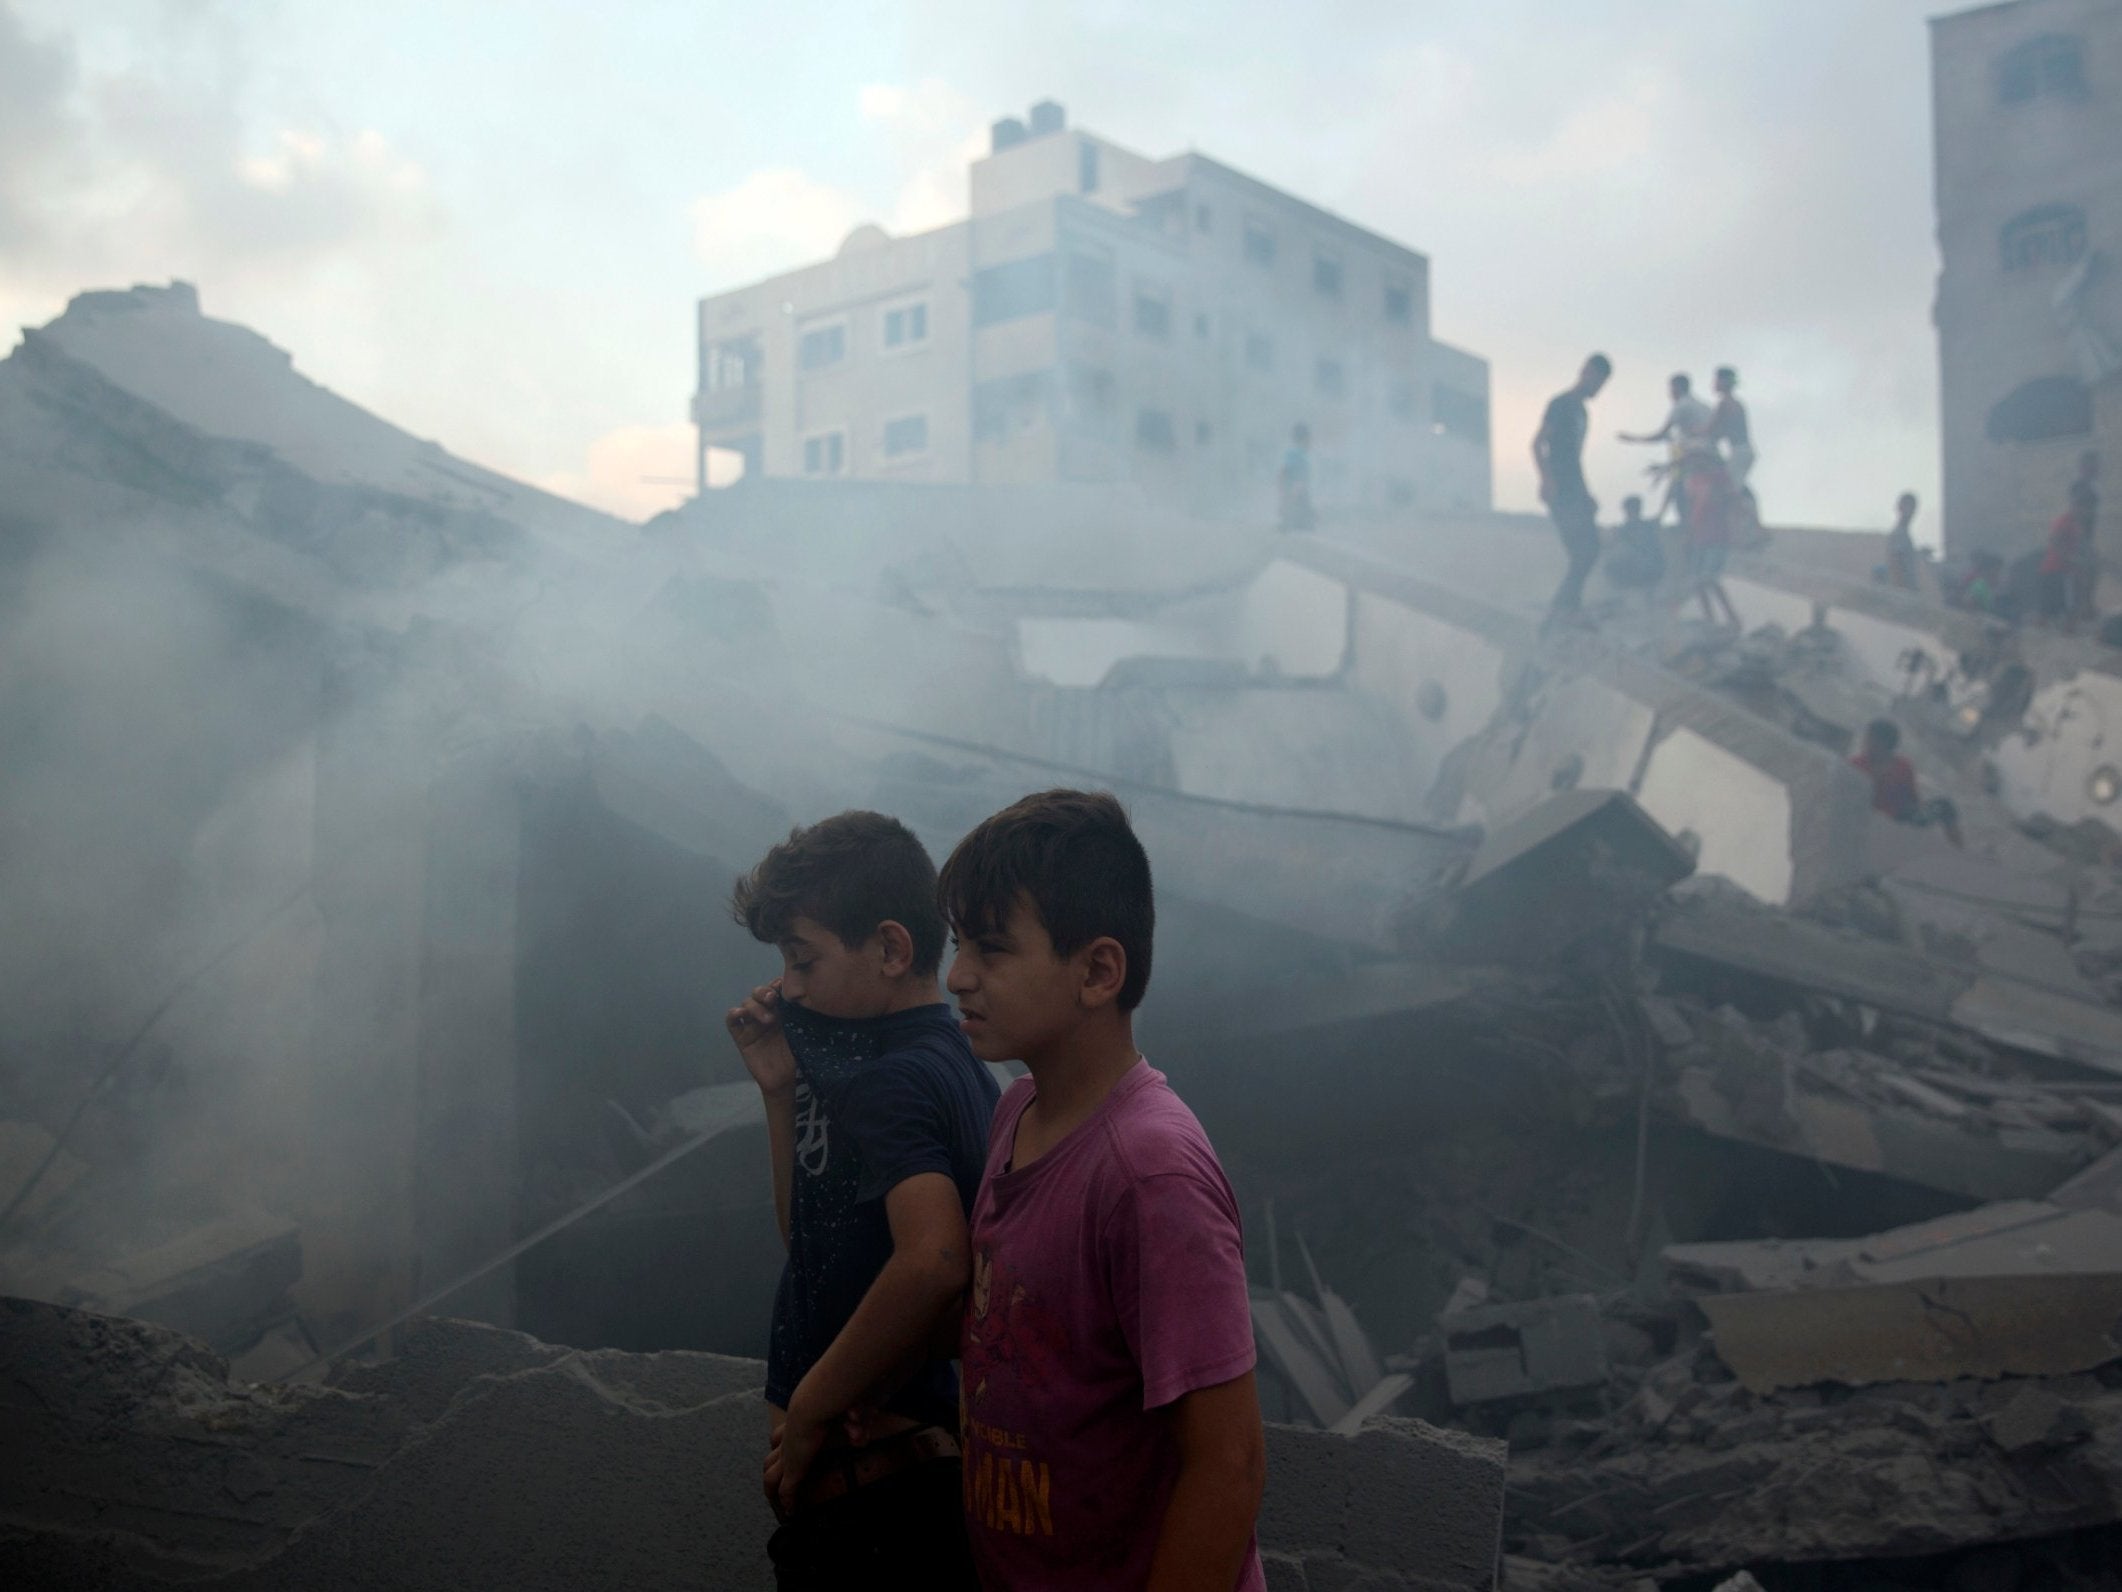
(1108, 1283)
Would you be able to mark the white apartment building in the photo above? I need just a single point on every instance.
(2027, 101)
(1101, 316)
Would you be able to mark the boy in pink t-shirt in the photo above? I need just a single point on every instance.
(1110, 1424)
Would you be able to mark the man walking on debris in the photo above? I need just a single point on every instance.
(877, 1118)
(1558, 453)
(1893, 783)
(1111, 1422)
(1900, 565)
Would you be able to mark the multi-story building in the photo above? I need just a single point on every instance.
(1101, 316)
(2028, 127)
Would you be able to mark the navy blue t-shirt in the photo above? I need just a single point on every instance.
(877, 1102)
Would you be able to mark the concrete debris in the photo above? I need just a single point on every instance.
(1569, 871)
(1849, 1107)
(1513, 1351)
(480, 1457)
(1705, 1477)
(1320, 1352)
(225, 1281)
(2025, 1288)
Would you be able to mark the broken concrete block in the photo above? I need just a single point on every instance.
(1508, 1351)
(2035, 1419)
(1401, 1502)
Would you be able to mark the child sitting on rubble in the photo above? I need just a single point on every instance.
(877, 1117)
(1637, 562)
(1111, 1422)
(1893, 782)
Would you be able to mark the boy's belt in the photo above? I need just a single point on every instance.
(841, 1471)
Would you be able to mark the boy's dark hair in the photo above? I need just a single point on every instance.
(1885, 734)
(1075, 855)
(851, 872)
(1600, 363)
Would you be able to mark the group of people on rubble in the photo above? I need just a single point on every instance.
(1071, 1240)
(2055, 585)
(1704, 477)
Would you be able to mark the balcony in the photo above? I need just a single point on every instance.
(727, 406)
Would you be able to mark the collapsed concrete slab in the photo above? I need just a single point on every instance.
(479, 1457)
(2024, 1288)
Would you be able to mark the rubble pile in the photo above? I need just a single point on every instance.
(1606, 1087)
(476, 1457)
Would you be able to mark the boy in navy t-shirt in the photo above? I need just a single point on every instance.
(877, 1118)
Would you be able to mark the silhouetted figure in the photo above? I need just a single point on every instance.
(1558, 452)
(1637, 560)
(1295, 482)
(1900, 566)
(2064, 564)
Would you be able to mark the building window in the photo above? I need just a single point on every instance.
(1204, 433)
(1259, 351)
(1399, 303)
(906, 325)
(1009, 404)
(823, 346)
(1153, 313)
(906, 436)
(1153, 430)
(1086, 167)
(1090, 393)
(1400, 399)
(1326, 276)
(2042, 410)
(1259, 241)
(2054, 63)
(2045, 235)
(1330, 378)
(825, 454)
(1013, 291)
(1460, 414)
(1093, 294)
(1204, 219)
(733, 362)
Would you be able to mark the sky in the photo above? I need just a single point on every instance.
(488, 221)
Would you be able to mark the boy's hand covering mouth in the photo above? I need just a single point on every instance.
(754, 1023)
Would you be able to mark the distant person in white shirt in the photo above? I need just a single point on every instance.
(1687, 425)
(1686, 433)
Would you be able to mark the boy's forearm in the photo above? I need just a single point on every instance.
(1208, 1523)
(781, 1146)
(893, 1327)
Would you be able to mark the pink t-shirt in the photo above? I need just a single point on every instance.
(1108, 1281)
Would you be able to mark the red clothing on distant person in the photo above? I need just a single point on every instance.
(1893, 784)
(2066, 545)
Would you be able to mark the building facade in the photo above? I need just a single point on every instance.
(2027, 103)
(1101, 316)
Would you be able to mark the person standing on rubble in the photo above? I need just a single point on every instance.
(1294, 482)
(877, 1118)
(1729, 425)
(1112, 1425)
(2085, 582)
(1558, 454)
(1893, 783)
(2064, 565)
(1900, 567)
